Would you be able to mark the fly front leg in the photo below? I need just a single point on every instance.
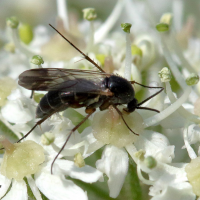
(32, 93)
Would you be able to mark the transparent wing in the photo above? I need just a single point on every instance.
(48, 79)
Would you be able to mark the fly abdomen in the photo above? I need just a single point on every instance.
(50, 103)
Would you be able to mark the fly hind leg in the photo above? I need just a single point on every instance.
(89, 111)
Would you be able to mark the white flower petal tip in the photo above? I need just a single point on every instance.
(18, 191)
(17, 112)
(5, 183)
(156, 145)
(173, 193)
(114, 163)
(34, 188)
(87, 174)
(175, 120)
(109, 128)
(55, 188)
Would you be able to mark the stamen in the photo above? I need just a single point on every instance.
(90, 15)
(63, 13)
(140, 176)
(16, 40)
(178, 76)
(47, 138)
(79, 160)
(177, 7)
(101, 33)
(126, 28)
(182, 111)
(190, 150)
(169, 110)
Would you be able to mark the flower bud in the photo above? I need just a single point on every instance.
(10, 47)
(140, 154)
(165, 22)
(47, 138)
(37, 60)
(135, 50)
(78, 160)
(25, 33)
(150, 162)
(193, 79)
(89, 14)
(165, 74)
(126, 27)
(12, 22)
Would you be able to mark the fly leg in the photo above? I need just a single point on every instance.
(89, 112)
(38, 123)
(32, 93)
(121, 115)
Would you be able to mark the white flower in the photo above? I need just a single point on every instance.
(44, 180)
(114, 163)
(178, 49)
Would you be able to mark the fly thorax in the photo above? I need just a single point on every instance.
(121, 88)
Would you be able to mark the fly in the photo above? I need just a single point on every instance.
(80, 88)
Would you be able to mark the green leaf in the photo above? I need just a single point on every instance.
(4, 130)
(29, 191)
(131, 188)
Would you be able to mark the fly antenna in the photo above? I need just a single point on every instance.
(145, 108)
(85, 56)
(151, 96)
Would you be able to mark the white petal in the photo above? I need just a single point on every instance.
(34, 188)
(87, 174)
(18, 191)
(114, 163)
(176, 194)
(4, 183)
(14, 112)
(175, 120)
(54, 188)
(193, 134)
(165, 175)
(156, 145)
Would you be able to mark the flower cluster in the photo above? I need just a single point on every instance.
(124, 152)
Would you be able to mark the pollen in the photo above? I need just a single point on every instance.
(109, 128)
(21, 159)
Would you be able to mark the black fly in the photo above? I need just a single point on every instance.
(80, 88)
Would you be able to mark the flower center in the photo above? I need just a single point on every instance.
(109, 128)
(21, 159)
